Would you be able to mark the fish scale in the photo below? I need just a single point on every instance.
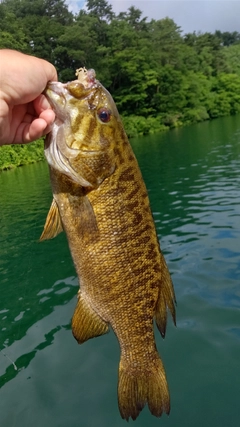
(101, 202)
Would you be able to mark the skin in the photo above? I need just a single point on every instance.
(25, 113)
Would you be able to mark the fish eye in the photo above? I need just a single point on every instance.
(104, 115)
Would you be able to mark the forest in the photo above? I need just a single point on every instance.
(159, 77)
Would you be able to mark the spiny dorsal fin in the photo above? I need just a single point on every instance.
(86, 323)
(53, 224)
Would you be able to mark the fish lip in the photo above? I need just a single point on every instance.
(57, 88)
(56, 95)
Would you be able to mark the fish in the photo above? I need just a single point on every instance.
(101, 202)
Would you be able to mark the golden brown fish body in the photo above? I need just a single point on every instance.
(101, 202)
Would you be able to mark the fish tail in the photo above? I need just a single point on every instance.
(140, 386)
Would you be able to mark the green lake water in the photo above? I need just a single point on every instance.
(193, 178)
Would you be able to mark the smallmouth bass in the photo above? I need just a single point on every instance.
(101, 202)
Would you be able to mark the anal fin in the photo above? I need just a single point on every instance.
(53, 224)
(86, 323)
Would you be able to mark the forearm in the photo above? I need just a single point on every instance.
(4, 126)
(4, 108)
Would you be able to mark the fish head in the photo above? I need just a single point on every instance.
(81, 144)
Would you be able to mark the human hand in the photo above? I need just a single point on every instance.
(25, 113)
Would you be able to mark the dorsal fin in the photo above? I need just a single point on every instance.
(53, 224)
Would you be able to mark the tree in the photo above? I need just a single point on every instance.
(209, 50)
(100, 9)
(157, 77)
(226, 90)
(232, 58)
(12, 35)
(43, 22)
(77, 46)
(227, 38)
(166, 43)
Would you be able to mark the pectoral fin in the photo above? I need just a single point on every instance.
(86, 323)
(84, 216)
(53, 224)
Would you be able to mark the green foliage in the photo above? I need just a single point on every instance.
(232, 58)
(17, 155)
(140, 125)
(226, 93)
(42, 22)
(159, 78)
(12, 34)
(227, 38)
(100, 9)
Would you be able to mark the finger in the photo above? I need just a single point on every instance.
(41, 104)
(48, 116)
(32, 127)
(29, 132)
(40, 126)
(39, 108)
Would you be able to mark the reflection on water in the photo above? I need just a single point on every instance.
(193, 180)
(41, 333)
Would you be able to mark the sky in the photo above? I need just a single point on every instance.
(190, 15)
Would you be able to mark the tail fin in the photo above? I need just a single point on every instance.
(138, 387)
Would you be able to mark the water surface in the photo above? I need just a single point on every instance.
(193, 178)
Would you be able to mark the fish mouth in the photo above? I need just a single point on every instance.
(58, 153)
(56, 95)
